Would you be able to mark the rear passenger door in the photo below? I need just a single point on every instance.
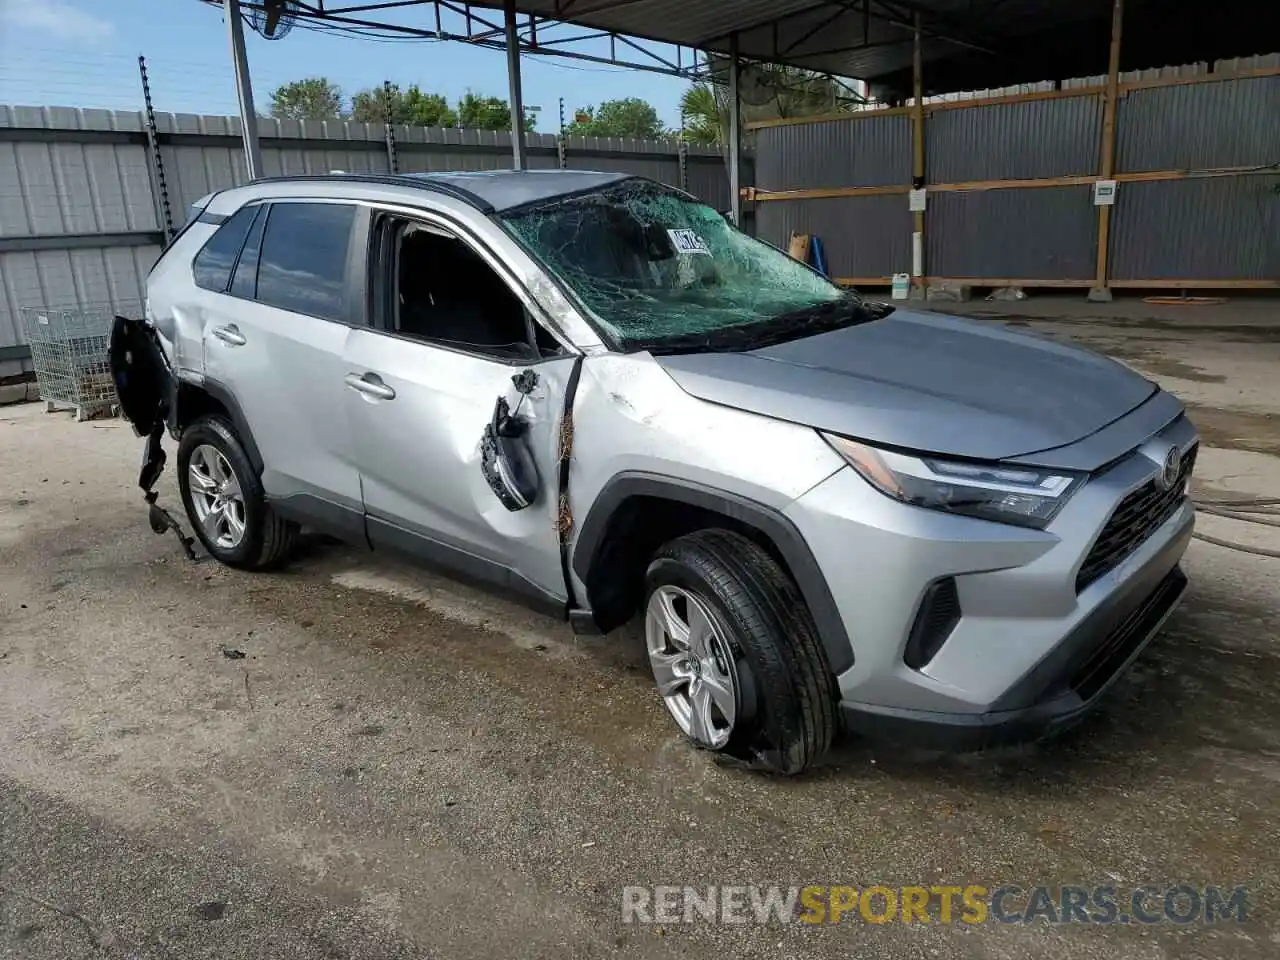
(274, 339)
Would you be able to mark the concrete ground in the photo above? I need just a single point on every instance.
(349, 759)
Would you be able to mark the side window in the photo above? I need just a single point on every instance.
(445, 293)
(213, 264)
(303, 262)
(245, 281)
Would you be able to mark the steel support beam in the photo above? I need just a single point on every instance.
(1106, 165)
(244, 89)
(917, 156)
(17, 352)
(81, 241)
(735, 133)
(518, 159)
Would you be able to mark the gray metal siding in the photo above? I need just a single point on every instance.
(1222, 228)
(862, 236)
(1013, 141)
(61, 188)
(70, 278)
(708, 180)
(13, 368)
(842, 153)
(191, 172)
(1032, 233)
(1231, 123)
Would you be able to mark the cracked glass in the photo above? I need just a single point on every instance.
(654, 268)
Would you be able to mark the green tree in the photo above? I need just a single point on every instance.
(314, 98)
(769, 92)
(412, 106)
(628, 117)
(487, 113)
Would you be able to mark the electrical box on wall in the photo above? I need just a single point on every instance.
(1104, 193)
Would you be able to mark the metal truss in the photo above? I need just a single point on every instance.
(537, 36)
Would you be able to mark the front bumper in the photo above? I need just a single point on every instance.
(1075, 677)
(1027, 649)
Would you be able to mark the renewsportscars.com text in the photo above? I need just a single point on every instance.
(935, 903)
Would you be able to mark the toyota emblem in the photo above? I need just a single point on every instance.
(1172, 469)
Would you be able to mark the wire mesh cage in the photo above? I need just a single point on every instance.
(69, 350)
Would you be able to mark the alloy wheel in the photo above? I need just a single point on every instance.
(216, 496)
(691, 665)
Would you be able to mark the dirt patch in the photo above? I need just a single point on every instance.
(1233, 332)
(1153, 359)
(1169, 367)
(1236, 429)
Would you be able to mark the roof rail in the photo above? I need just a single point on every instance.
(393, 179)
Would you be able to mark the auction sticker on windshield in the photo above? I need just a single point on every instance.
(686, 241)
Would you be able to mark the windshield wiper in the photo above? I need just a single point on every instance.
(819, 318)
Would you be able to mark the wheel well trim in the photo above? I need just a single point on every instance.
(222, 393)
(769, 522)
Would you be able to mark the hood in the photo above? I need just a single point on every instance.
(925, 382)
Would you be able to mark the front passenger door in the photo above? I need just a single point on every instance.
(422, 387)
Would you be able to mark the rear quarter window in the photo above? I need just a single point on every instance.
(212, 266)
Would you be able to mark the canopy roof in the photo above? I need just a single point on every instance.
(966, 43)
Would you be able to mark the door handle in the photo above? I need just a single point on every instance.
(230, 334)
(370, 385)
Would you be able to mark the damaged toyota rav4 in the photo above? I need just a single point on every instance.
(594, 391)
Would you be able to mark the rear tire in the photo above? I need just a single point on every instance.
(783, 707)
(243, 532)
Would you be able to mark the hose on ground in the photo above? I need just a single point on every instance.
(1264, 511)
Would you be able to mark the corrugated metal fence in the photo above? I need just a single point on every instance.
(1009, 182)
(81, 216)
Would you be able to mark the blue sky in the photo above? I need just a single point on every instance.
(83, 53)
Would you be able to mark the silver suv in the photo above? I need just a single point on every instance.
(594, 391)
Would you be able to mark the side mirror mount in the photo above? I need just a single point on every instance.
(505, 461)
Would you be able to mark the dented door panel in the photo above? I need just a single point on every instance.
(419, 451)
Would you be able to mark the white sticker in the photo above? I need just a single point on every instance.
(917, 200)
(686, 241)
(1104, 193)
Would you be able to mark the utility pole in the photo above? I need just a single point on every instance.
(518, 154)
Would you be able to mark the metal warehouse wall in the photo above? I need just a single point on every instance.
(82, 215)
(1009, 183)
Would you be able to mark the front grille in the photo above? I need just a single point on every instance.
(1097, 669)
(1138, 516)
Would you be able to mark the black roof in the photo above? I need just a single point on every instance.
(503, 189)
(489, 191)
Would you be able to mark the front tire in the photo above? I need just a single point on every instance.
(225, 501)
(735, 653)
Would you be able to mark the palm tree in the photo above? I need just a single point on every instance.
(701, 117)
(788, 92)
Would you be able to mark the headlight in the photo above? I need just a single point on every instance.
(1006, 494)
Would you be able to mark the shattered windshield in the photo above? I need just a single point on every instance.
(659, 271)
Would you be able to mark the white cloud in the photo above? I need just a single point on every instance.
(55, 18)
